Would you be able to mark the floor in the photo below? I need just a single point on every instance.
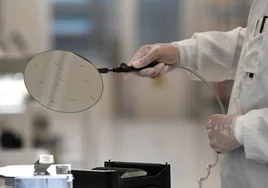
(183, 144)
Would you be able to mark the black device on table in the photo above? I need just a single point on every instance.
(124, 175)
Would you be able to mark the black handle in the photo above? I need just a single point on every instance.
(125, 68)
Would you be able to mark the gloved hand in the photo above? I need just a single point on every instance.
(221, 130)
(166, 54)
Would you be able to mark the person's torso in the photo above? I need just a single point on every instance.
(251, 78)
(250, 91)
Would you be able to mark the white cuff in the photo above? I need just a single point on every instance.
(188, 52)
(239, 130)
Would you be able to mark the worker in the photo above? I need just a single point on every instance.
(241, 54)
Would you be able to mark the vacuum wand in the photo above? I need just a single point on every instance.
(124, 68)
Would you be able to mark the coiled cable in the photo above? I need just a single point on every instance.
(212, 165)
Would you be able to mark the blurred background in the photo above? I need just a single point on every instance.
(140, 120)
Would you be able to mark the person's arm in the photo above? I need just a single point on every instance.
(252, 133)
(213, 55)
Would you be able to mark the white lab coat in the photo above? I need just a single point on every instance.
(242, 55)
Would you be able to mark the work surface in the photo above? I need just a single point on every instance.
(183, 144)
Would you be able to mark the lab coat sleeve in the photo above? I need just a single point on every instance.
(213, 55)
(254, 134)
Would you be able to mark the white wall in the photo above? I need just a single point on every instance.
(31, 19)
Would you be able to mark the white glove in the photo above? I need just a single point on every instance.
(166, 54)
(222, 133)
